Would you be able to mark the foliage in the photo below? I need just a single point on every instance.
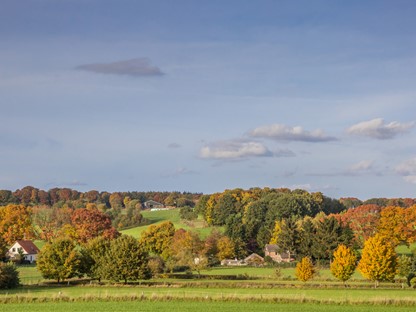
(329, 234)
(9, 276)
(344, 263)
(93, 257)
(379, 260)
(90, 223)
(157, 239)
(188, 213)
(305, 269)
(15, 223)
(126, 259)
(226, 248)
(59, 260)
(363, 220)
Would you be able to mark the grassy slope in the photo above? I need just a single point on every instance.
(157, 217)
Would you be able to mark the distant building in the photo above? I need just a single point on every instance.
(254, 260)
(25, 247)
(151, 204)
(271, 250)
(232, 262)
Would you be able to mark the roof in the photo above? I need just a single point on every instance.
(271, 248)
(152, 202)
(254, 256)
(28, 246)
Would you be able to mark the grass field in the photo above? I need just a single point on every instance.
(178, 305)
(156, 217)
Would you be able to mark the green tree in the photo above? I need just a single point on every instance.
(344, 263)
(404, 267)
(93, 254)
(379, 260)
(59, 260)
(289, 237)
(306, 238)
(329, 234)
(305, 269)
(125, 260)
(9, 276)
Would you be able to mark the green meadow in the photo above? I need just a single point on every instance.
(183, 306)
(156, 217)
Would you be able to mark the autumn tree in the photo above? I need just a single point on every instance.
(379, 260)
(187, 250)
(157, 239)
(90, 223)
(15, 223)
(363, 220)
(59, 260)
(344, 263)
(305, 269)
(391, 224)
(226, 248)
(125, 260)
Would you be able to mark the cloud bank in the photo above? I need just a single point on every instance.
(378, 129)
(407, 169)
(281, 132)
(135, 67)
(234, 149)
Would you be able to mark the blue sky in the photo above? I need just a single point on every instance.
(204, 96)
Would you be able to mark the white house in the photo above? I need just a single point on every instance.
(26, 247)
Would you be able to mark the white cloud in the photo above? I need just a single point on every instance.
(407, 169)
(235, 149)
(378, 129)
(364, 165)
(287, 133)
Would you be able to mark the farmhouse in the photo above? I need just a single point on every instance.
(23, 247)
(254, 260)
(272, 251)
(151, 204)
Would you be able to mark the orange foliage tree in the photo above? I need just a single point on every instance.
(90, 223)
(15, 223)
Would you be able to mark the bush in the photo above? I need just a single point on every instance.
(9, 276)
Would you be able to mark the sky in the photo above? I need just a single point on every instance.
(203, 96)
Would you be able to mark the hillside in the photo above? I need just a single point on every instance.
(157, 217)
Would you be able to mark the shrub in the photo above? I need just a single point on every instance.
(9, 276)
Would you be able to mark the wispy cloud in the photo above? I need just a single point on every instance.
(134, 67)
(364, 167)
(282, 132)
(174, 145)
(378, 129)
(407, 169)
(179, 172)
(234, 149)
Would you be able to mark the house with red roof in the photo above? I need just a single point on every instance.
(23, 247)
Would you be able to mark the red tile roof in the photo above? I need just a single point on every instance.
(28, 246)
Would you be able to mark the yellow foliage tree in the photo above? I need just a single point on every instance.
(305, 269)
(344, 263)
(379, 259)
(276, 232)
